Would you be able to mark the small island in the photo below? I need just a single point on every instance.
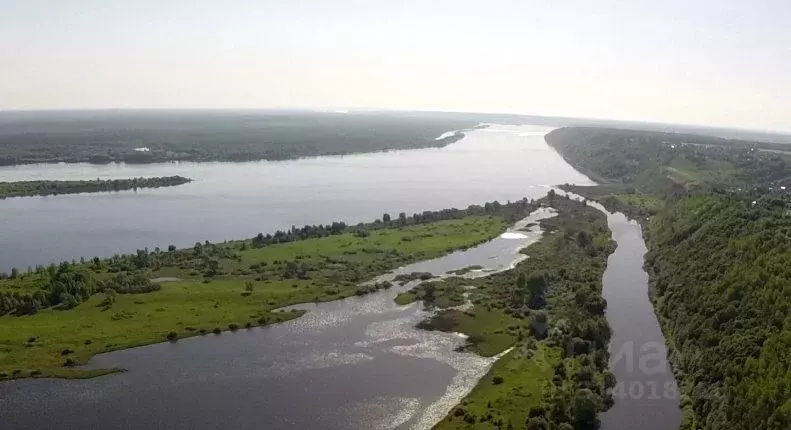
(47, 188)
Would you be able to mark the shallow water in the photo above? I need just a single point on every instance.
(353, 363)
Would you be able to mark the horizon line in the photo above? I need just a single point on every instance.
(352, 110)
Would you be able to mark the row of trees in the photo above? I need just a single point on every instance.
(46, 188)
(511, 211)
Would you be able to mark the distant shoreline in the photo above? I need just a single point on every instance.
(147, 138)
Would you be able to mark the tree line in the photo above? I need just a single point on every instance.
(46, 188)
(152, 137)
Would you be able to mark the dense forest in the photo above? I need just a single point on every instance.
(157, 136)
(718, 229)
(47, 188)
(644, 155)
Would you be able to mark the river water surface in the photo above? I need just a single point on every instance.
(646, 394)
(353, 363)
(238, 200)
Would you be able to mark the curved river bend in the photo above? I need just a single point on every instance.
(353, 363)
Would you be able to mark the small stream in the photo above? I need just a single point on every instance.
(352, 363)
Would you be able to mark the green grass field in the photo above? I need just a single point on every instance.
(524, 382)
(334, 267)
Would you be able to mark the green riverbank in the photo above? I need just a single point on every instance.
(549, 309)
(59, 316)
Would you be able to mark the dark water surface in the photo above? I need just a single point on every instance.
(646, 395)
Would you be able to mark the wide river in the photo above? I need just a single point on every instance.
(238, 200)
(353, 363)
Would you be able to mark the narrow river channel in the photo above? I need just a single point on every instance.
(646, 395)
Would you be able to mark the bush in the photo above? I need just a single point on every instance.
(217, 330)
(68, 301)
(173, 336)
(129, 283)
(584, 407)
(88, 342)
(248, 324)
(537, 411)
(67, 351)
(537, 423)
(233, 327)
(31, 339)
(68, 363)
(497, 380)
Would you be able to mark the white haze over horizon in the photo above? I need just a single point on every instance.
(712, 63)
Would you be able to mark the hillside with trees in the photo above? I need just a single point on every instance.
(718, 230)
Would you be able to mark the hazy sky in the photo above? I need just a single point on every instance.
(711, 62)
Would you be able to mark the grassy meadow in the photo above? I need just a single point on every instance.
(248, 285)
